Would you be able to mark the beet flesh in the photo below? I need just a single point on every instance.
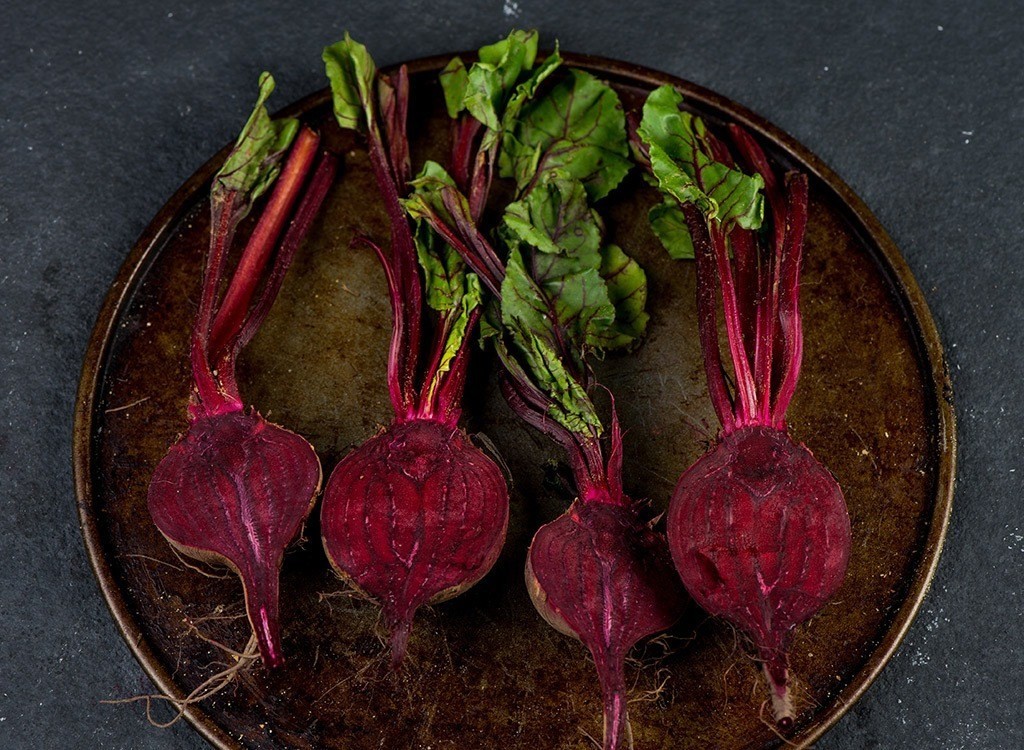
(235, 490)
(599, 574)
(760, 534)
(414, 516)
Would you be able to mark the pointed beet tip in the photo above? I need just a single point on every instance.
(777, 672)
(261, 600)
(613, 693)
(400, 629)
(269, 640)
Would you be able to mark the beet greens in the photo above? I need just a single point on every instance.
(598, 572)
(417, 514)
(758, 528)
(236, 489)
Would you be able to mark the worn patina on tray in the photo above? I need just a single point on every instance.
(485, 671)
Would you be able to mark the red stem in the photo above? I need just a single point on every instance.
(309, 207)
(395, 109)
(789, 306)
(745, 388)
(470, 243)
(464, 133)
(298, 228)
(480, 187)
(768, 307)
(407, 304)
(223, 222)
(250, 269)
(707, 317)
(744, 252)
(398, 396)
(447, 401)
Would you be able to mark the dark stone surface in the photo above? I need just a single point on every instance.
(105, 108)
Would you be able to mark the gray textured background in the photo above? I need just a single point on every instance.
(105, 110)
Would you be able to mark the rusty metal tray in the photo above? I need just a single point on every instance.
(485, 671)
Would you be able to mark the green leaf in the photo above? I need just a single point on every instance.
(556, 222)
(454, 82)
(577, 129)
(444, 270)
(425, 199)
(669, 224)
(523, 303)
(524, 314)
(571, 407)
(627, 290)
(519, 47)
(526, 90)
(681, 160)
(555, 217)
(499, 68)
(254, 162)
(351, 72)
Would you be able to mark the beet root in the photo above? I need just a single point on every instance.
(235, 490)
(599, 574)
(760, 534)
(414, 516)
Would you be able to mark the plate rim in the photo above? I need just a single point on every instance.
(932, 361)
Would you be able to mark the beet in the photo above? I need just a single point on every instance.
(758, 528)
(404, 522)
(416, 514)
(236, 489)
(600, 574)
(760, 533)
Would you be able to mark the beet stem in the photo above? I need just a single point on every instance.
(707, 318)
(789, 306)
(309, 207)
(407, 308)
(258, 250)
(734, 329)
(447, 399)
(464, 132)
(223, 221)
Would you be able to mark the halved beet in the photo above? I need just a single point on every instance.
(599, 574)
(416, 515)
(760, 534)
(236, 489)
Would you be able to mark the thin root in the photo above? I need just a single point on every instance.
(113, 409)
(197, 569)
(205, 690)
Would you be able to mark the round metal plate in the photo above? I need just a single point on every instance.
(874, 405)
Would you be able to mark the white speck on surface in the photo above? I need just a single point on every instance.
(1014, 539)
(940, 28)
(510, 9)
(826, 69)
